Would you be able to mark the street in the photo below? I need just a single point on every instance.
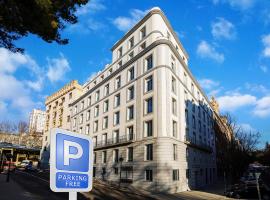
(35, 185)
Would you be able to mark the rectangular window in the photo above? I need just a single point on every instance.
(142, 32)
(95, 141)
(130, 93)
(173, 85)
(105, 122)
(185, 79)
(149, 62)
(149, 152)
(95, 158)
(173, 64)
(117, 100)
(81, 118)
(95, 126)
(118, 82)
(116, 136)
(174, 106)
(104, 156)
(142, 46)
(186, 116)
(116, 118)
(106, 106)
(192, 88)
(131, 42)
(115, 155)
(175, 175)
(174, 152)
(131, 74)
(104, 138)
(97, 95)
(120, 52)
(149, 105)
(193, 122)
(88, 115)
(96, 110)
(115, 170)
(130, 112)
(149, 175)
(106, 90)
(131, 55)
(75, 109)
(130, 132)
(87, 129)
(149, 84)
(82, 105)
(174, 127)
(89, 101)
(148, 126)
(130, 154)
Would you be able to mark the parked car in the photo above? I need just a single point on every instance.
(23, 165)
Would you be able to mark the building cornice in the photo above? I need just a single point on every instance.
(152, 12)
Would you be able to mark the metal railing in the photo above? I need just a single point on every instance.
(114, 141)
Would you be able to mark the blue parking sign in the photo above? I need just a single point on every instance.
(70, 161)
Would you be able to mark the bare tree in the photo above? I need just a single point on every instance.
(22, 127)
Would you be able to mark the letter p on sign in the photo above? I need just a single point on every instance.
(68, 145)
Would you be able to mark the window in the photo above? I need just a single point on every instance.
(174, 106)
(116, 136)
(89, 101)
(131, 42)
(173, 64)
(173, 85)
(174, 152)
(193, 105)
(106, 90)
(131, 74)
(95, 141)
(130, 131)
(118, 82)
(149, 152)
(120, 52)
(143, 32)
(95, 158)
(88, 115)
(199, 111)
(115, 155)
(149, 105)
(97, 95)
(131, 55)
(116, 119)
(149, 62)
(174, 128)
(70, 95)
(68, 118)
(81, 118)
(192, 88)
(104, 156)
(186, 98)
(149, 175)
(106, 106)
(105, 122)
(75, 109)
(87, 129)
(130, 93)
(115, 170)
(110, 71)
(200, 126)
(96, 110)
(187, 173)
(186, 116)
(193, 122)
(117, 100)
(74, 122)
(142, 46)
(185, 78)
(80, 130)
(149, 84)
(175, 175)
(95, 126)
(104, 138)
(130, 112)
(119, 64)
(82, 105)
(130, 154)
(148, 126)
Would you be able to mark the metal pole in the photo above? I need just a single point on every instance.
(258, 188)
(72, 195)
(7, 180)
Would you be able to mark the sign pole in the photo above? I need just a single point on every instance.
(72, 196)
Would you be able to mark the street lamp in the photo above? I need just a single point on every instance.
(121, 159)
(257, 175)
(8, 156)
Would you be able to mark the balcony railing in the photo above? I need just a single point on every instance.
(117, 141)
(198, 144)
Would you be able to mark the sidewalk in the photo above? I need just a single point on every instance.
(12, 190)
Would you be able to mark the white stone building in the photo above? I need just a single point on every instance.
(147, 109)
(37, 121)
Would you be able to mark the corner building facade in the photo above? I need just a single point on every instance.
(150, 121)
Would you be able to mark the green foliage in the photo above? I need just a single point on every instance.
(45, 18)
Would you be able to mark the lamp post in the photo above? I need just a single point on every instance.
(120, 160)
(8, 156)
(257, 175)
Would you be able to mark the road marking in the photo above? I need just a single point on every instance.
(34, 176)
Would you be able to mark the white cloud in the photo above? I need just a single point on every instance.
(262, 108)
(234, 101)
(238, 4)
(247, 127)
(125, 23)
(257, 88)
(208, 84)
(206, 50)
(264, 68)
(57, 68)
(91, 7)
(266, 43)
(223, 28)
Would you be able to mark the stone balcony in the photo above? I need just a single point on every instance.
(192, 142)
(114, 142)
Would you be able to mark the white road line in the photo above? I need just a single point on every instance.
(33, 176)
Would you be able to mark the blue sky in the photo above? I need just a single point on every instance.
(228, 42)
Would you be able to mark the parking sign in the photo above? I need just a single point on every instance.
(70, 161)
